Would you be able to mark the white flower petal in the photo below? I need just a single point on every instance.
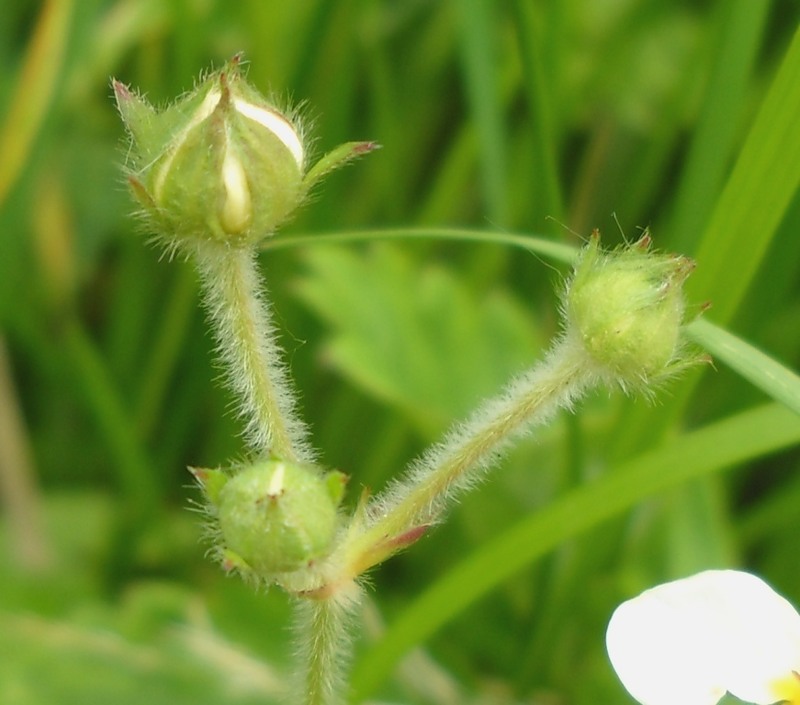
(658, 656)
(236, 210)
(763, 647)
(275, 123)
(691, 640)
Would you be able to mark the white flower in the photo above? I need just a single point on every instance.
(690, 641)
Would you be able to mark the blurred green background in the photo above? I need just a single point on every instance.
(530, 117)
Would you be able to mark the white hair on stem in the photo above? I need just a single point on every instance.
(323, 636)
(461, 459)
(236, 304)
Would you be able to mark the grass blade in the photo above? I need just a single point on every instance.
(773, 378)
(756, 197)
(714, 137)
(35, 89)
(479, 69)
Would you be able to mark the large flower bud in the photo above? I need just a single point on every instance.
(221, 164)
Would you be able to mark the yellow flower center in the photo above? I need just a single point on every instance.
(787, 689)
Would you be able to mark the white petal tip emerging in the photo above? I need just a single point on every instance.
(236, 210)
(275, 123)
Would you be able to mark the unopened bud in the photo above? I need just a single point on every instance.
(221, 164)
(626, 308)
(274, 516)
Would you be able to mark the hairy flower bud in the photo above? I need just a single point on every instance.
(222, 163)
(626, 308)
(274, 516)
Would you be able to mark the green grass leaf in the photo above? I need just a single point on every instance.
(773, 378)
(756, 196)
(36, 88)
(714, 136)
(478, 53)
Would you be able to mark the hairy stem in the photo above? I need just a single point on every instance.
(235, 300)
(323, 644)
(396, 518)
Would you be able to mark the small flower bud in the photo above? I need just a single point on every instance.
(626, 308)
(274, 516)
(221, 164)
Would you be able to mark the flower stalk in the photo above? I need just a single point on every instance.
(214, 174)
(322, 632)
(407, 508)
(242, 323)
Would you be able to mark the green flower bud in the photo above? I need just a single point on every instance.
(221, 164)
(275, 517)
(626, 308)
